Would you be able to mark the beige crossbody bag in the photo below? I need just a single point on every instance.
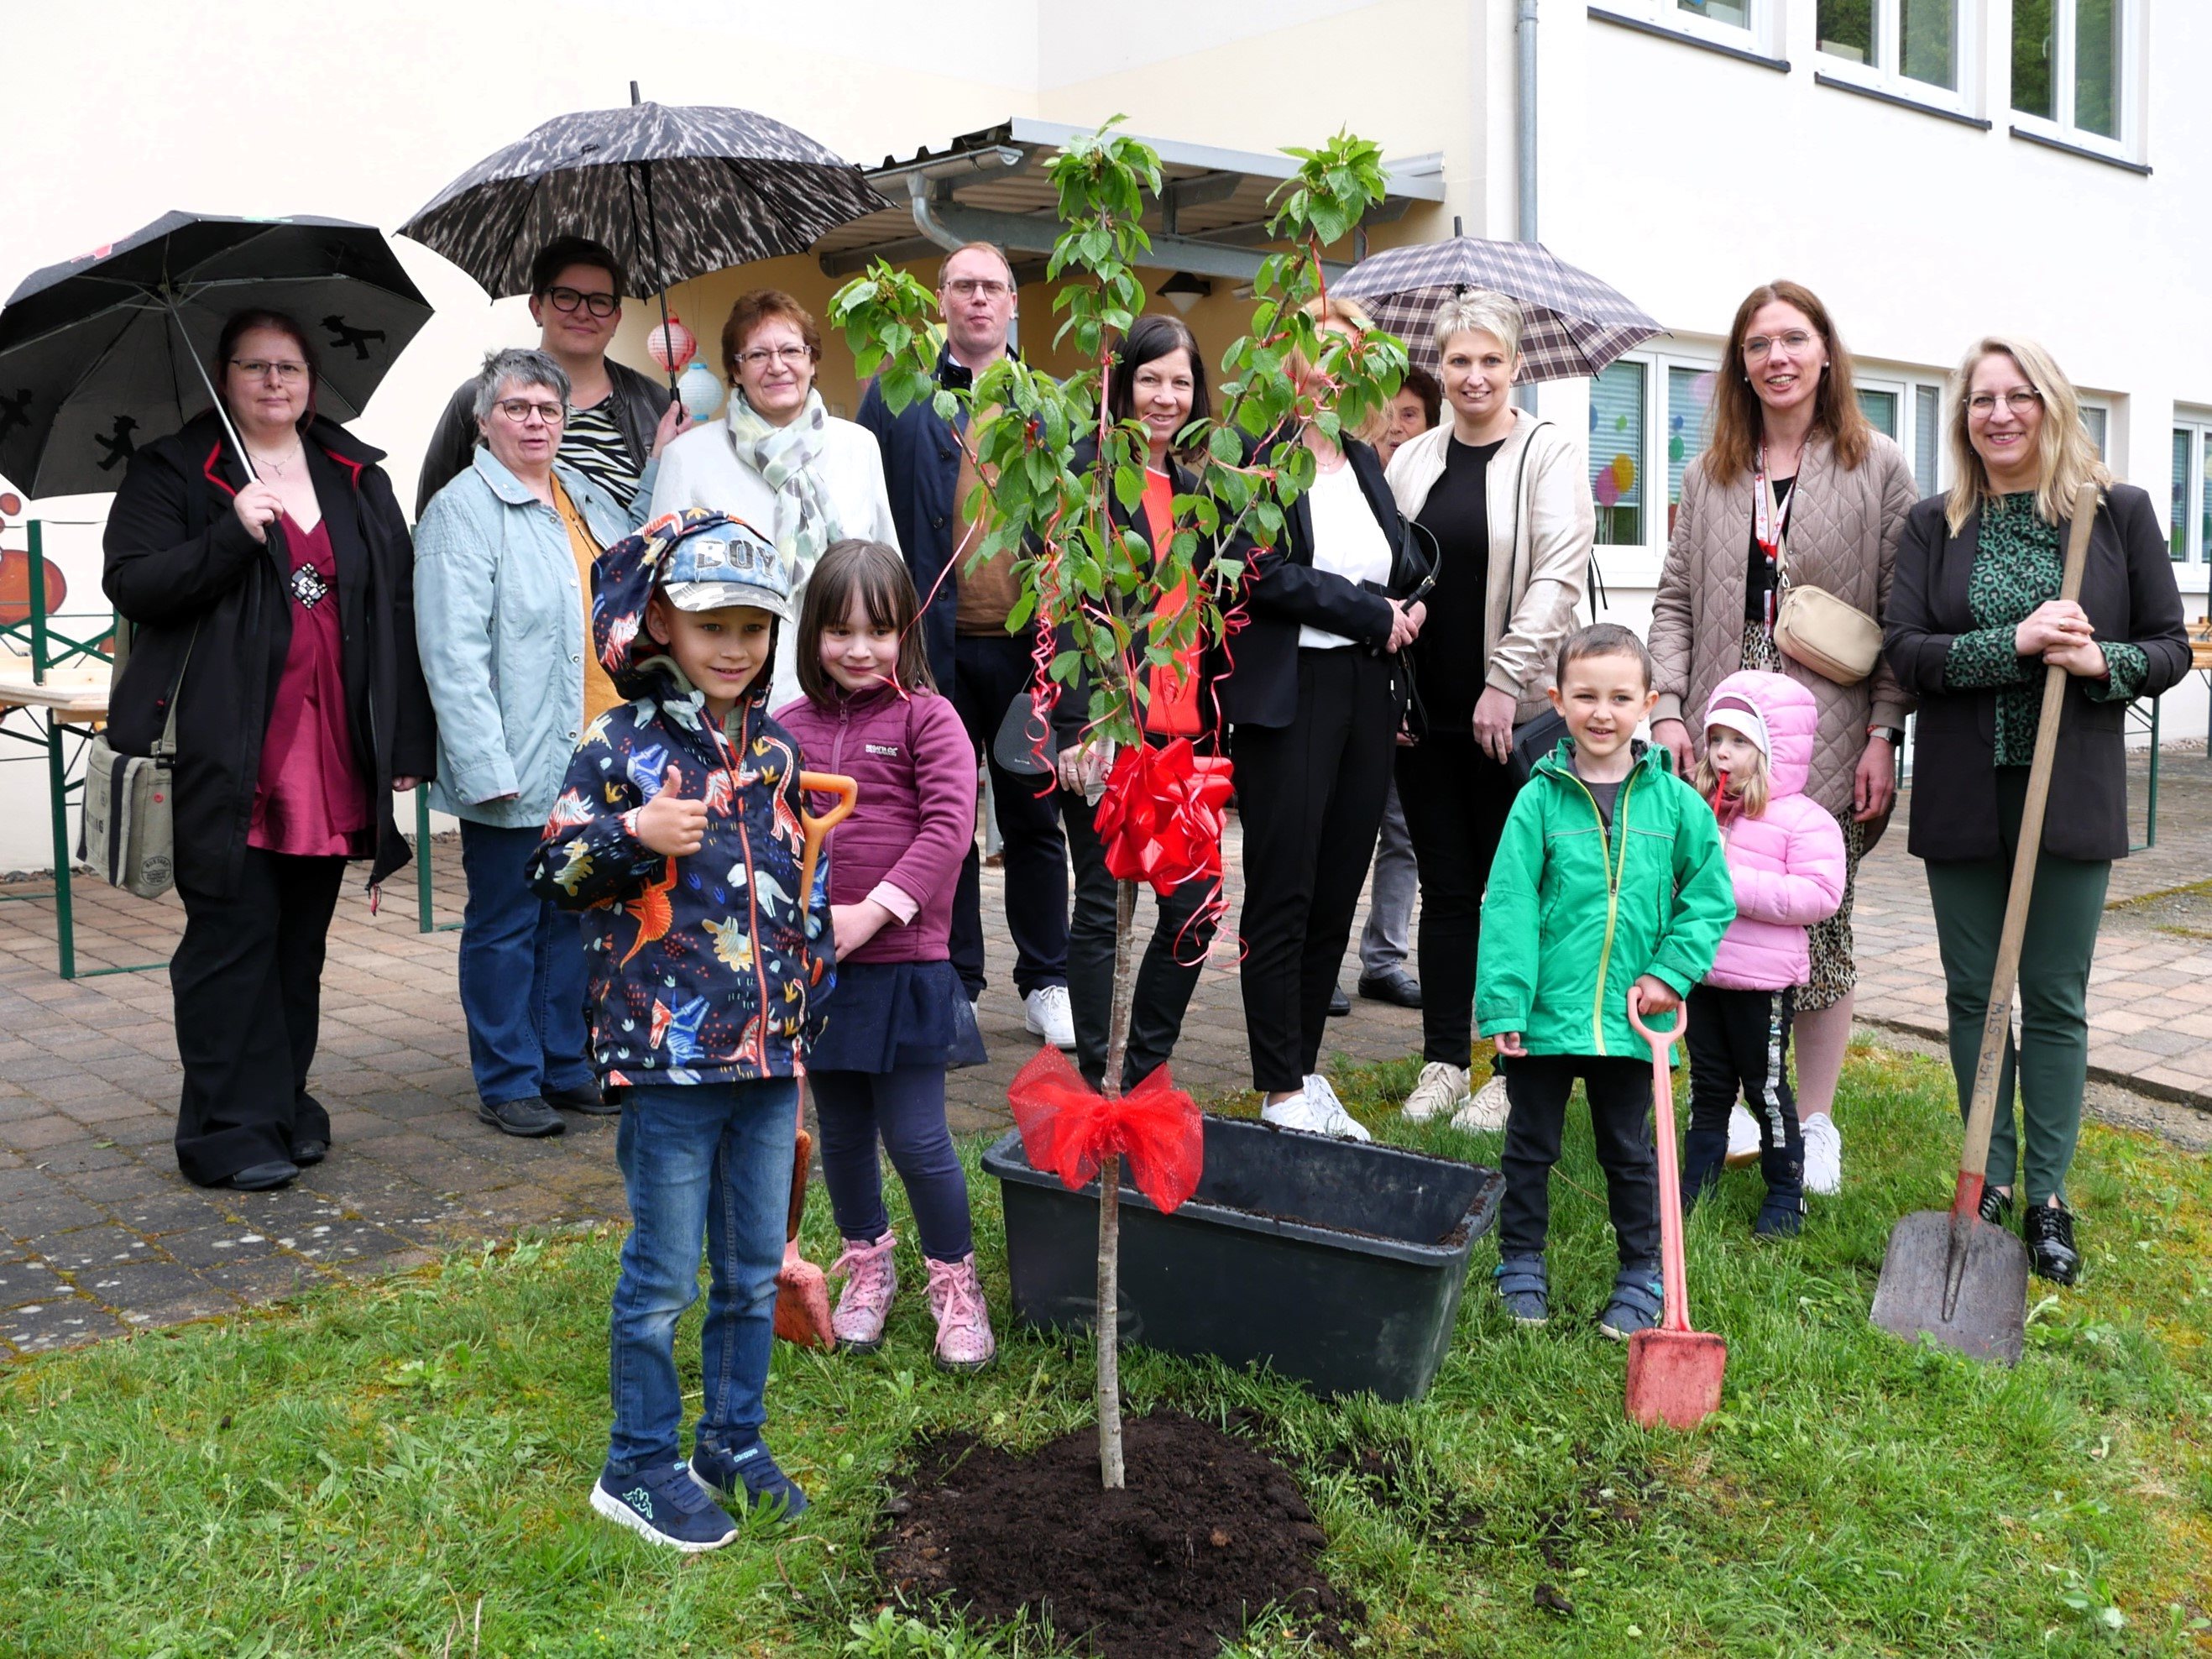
(1836, 641)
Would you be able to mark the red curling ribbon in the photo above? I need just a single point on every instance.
(1069, 1130)
(1161, 817)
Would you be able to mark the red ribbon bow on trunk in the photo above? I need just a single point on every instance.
(1162, 815)
(1069, 1128)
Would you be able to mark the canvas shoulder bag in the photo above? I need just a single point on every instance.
(130, 826)
(1836, 639)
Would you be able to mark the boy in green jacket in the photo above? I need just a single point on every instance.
(1610, 877)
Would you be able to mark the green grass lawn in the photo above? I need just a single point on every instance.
(401, 1468)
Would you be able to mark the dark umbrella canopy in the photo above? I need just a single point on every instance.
(1572, 324)
(97, 353)
(729, 187)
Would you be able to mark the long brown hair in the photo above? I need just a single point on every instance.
(1738, 415)
(885, 587)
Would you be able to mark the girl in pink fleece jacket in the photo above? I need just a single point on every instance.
(1787, 858)
(898, 1018)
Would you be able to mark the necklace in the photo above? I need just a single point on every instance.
(270, 464)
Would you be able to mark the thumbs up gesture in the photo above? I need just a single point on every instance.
(669, 824)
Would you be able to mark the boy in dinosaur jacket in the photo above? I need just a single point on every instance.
(1610, 879)
(677, 834)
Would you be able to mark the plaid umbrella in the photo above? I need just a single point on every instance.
(105, 349)
(742, 186)
(1572, 324)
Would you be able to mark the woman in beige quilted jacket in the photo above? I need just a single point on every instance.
(1793, 470)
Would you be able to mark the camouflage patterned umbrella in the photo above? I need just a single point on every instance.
(1572, 325)
(728, 185)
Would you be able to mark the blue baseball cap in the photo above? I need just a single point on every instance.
(726, 561)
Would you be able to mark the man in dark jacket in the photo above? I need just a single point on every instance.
(617, 418)
(970, 652)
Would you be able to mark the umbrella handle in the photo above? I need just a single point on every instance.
(214, 397)
(1674, 1290)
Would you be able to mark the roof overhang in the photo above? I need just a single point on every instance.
(1209, 218)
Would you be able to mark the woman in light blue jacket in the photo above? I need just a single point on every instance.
(502, 603)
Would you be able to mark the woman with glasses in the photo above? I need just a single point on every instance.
(618, 419)
(778, 459)
(502, 610)
(1974, 622)
(1793, 480)
(270, 604)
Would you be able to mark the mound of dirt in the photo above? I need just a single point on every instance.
(1206, 1533)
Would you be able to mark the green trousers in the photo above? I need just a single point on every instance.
(2051, 1056)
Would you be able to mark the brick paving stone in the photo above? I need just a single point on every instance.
(29, 1282)
(68, 1323)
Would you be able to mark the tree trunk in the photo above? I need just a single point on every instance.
(1109, 1323)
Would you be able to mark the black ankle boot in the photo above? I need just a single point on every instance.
(1782, 1214)
(2051, 1250)
(1705, 1152)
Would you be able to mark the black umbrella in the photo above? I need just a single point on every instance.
(109, 347)
(675, 191)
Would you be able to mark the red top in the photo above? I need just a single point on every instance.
(311, 801)
(1172, 710)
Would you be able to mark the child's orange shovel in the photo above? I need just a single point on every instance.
(1674, 1372)
(802, 1294)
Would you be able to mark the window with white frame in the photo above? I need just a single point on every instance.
(1917, 48)
(1909, 410)
(2191, 537)
(2097, 417)
(2074, 69)
(1753, 26)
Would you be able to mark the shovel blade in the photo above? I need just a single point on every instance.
(1989, 1319)
(1674, 1377)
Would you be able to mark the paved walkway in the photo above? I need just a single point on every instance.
(99, 1235)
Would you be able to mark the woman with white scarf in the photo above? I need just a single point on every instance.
(777, 459)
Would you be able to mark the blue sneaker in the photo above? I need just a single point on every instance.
(1523, 1288)
(1635, 1306)
(664, 1506)
(750, 1476)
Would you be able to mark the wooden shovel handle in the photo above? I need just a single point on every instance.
(1981, 1115)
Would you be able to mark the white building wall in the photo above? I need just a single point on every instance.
(1679, 174)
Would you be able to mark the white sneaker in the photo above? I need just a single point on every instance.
(1485, 1113)
(1824, 1156)
(1046, 1012)
(1744, 1138)
(1441, 1087)
(1317, 1111)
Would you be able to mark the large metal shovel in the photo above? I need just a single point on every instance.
(1949, 1274)
(1674, 1372)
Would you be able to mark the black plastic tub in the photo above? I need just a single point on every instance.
(1335, 1262)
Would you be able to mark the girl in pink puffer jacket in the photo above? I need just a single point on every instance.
(1787, 857)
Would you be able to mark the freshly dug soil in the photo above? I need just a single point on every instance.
(1206, 1533)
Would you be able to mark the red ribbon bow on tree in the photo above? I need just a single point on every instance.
(1069, 1128)
(1162, 815)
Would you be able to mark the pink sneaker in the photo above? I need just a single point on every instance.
(964, 1342)
(871, 1282)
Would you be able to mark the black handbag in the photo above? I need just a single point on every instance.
(1533, 740)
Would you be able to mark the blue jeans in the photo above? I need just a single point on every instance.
(522, 976)
(712, 1158)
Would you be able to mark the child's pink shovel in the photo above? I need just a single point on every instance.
(1674, 1372)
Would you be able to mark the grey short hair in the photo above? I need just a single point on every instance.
(525, 366)
(1479, 309)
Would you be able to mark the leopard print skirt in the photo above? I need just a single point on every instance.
(1833, 973)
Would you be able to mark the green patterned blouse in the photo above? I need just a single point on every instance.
(2017, 568)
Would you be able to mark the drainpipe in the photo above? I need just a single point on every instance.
(1524, 147)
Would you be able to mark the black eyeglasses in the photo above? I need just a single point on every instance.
(567, 299)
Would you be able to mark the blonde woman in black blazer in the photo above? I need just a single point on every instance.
(1974, 620)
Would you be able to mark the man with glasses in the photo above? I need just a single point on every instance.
(619, 419)
(931, 477)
